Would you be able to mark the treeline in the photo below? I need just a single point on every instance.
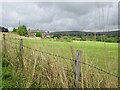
(82, 33)
(114, 39)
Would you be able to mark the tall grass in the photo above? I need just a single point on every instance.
(48, 71)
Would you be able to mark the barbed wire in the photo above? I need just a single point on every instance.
(48, 53)
(102, 70)
(44, 52)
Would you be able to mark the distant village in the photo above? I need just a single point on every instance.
(31, 32)
(46, 34)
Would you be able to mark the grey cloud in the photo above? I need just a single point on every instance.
(0, 13)
(75, 7)
(60, 16)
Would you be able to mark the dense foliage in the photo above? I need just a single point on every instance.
(14, 29)
(108, 36)
(56, 36)
(4, 29)
(22, 30)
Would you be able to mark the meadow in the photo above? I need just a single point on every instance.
(47, 63)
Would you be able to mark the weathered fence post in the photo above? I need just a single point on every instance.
(77, 69)
(4, 41)
(4, 46)
(21, 53)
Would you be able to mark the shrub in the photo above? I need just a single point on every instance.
(56, 36)
(38, 34)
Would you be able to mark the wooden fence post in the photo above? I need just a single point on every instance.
(21, 53)
(4, 41)
(77, 69)
(4, 46)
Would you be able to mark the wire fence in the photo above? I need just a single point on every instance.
(63, 58)
(58, 56)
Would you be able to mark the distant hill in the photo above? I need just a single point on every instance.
(82, 33)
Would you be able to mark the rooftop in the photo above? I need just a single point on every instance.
(35, 30)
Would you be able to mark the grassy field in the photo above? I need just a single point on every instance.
(39, 69)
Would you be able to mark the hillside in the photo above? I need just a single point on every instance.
(81, 33)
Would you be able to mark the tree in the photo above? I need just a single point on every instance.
(38, 34)
(22, 30)
(14, 30)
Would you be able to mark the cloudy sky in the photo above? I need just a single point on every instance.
(59, 16)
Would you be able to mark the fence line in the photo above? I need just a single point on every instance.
(71, 59)
(102, 70)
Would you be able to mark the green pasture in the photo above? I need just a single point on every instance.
(99, 53)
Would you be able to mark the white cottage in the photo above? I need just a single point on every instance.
(32, 32)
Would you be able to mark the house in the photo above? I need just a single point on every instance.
(48, 34)
(32, 33)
